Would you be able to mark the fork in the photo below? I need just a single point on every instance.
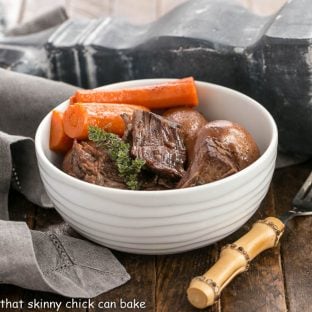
(235, 258)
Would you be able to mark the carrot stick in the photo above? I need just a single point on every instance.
(165, 95)
(79, 117)
(59, 141)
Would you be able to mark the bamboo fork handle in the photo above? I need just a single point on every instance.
(234, 259)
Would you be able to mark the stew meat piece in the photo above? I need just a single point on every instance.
(159, 142)
(87, 162)
(92, 164)
(222, 148)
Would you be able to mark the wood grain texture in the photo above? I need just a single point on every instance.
(261, 288)
(141, 287)
(11, 294)
(36, 296)
(174, 273)
(296, 244)
(50, 220)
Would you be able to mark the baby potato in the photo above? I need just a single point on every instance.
(190, 120)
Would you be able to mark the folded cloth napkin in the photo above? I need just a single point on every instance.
(56, 263)
(32, 259)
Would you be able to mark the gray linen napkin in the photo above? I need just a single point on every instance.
(56, 263)
(32, 259)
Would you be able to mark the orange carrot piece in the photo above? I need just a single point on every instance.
(72, 100)
(79, 117)
(164, 95)
(59, 141)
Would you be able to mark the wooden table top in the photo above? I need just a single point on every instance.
(278, 280)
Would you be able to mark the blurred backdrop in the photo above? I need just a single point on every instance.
(135, 11)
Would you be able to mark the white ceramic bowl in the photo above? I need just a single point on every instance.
(171, 221)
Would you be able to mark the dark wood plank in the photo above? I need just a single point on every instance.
(141, 287)
(296, 244)
(41, 301)
(10, 294)
(50, 220)
(174, 273)
(21, 209)
(262, 287)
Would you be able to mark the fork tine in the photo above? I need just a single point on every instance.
(304, 195)
(309, 194)
(308, 188)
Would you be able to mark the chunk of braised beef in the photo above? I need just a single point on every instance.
(159, 143)
(150, 181)
(211, 162)
(87, 162)
(222, 148)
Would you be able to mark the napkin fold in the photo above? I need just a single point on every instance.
(24, 101)
(37, 260)
(56, 263)
(19, 169)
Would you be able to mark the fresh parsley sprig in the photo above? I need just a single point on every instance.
(119, 151)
